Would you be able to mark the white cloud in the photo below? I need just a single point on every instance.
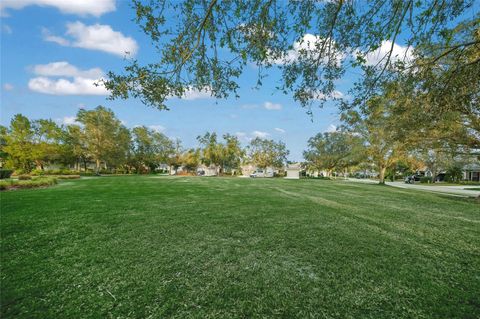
(241, 135)
(280, 130)
(80, 7)
(47, 36)
(272, 106)
(260, 134)
(335, 94)
(247, 137)
(157, 128)
(82, 82)
(78, 86)
(331, 128)
(98, 37)
(307, 47)
(195, 94)
(8, 87)
(69, 120)
(399, 53)
(63, 68)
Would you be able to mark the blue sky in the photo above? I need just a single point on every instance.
(52, 50)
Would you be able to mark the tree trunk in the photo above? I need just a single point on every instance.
(381, 175)
(38, 165)
(97, 166)
(434, 174)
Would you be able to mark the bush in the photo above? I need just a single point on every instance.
(68, 172)
(87, 173)
(63, 171)
(32, 183)
(454, 174)
(4, 184)
(469, 183)
(24, 177)
(425, 179)
(68, 176)
(5, 173)
(37, 172)
(19, 171)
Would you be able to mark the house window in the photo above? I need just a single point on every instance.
(475, 176)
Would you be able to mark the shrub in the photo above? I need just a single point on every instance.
(469, 183)
(68, 176)
(454, 174)
(5, 173)
(24, 177)
(19, 171)
(32, 183)
(63, 171)
(87, 173)
(37, 172)
(67, 171)
(425, 179)
(4, 184)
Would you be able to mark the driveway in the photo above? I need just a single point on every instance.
(451, 190)
(448, 190)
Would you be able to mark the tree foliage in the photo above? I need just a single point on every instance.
(334, 151)
(312, 42)
(150, 148)
(106, 139)
(267, 153)
(377, 124)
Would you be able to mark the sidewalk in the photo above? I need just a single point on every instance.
(459, 190)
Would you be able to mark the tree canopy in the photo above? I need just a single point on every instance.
(312, 42)
(334, 151)
(267, 153)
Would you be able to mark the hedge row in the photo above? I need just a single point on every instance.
(32, 183)
(5, 173)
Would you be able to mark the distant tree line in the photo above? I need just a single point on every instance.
(99, 142)
(392, 133)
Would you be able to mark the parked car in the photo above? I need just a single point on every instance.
(257, 173)
(261, 173)
(411, 179)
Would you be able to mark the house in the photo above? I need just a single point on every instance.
(248, 169)
(293, 171)
(204, 170)
(471, 172)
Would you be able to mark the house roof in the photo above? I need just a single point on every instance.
(472, 167)
(294, 166)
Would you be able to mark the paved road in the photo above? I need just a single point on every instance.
(449, 190)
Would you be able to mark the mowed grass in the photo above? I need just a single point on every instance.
(163, 247)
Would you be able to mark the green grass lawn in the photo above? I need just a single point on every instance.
(163, 247)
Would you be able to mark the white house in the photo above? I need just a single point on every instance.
(293, 171)
(248, 169)
(204, 170)
(471, 172)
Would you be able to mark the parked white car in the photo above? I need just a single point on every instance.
(261, 173)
